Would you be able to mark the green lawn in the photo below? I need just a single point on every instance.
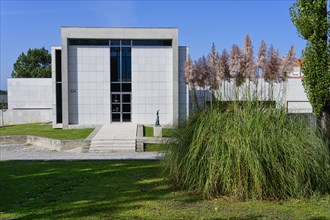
(155, 147)
(124, 190)
(149, 131)
(42, 130)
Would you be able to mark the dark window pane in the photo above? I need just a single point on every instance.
(126, 117)
(97, 42)
(115, 108)
(126, 87)
(116, 117)
(58, 102)
(126, 98)
(126, 107)
(115, 87)
(115, 64)
(152, 42)
(126, 42)
(126, 64)
(115, 98)
(115, 42)
(58, 65)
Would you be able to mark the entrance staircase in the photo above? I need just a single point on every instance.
(114, 138)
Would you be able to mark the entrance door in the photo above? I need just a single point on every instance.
(121, 107)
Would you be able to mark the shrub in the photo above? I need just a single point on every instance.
(248, 151)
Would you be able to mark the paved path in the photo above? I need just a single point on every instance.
(30, 152)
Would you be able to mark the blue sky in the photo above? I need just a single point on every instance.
(35, 24)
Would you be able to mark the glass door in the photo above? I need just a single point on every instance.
(121, 107)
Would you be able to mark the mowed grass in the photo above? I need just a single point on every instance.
(156, 147)
(124, 190)
(149, 132)
(47, 131)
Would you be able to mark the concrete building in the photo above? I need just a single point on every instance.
(29, 101)
(118, 75)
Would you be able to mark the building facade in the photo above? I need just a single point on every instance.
(118, 75)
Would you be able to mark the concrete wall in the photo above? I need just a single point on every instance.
(30, 93)
(89, 85)
(290, 94)
(183, 87)
(296, 98)
(29, 101)
(25, 116)
(152, 83)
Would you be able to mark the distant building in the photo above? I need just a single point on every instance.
(296, 73)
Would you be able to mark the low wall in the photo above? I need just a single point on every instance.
(51, 144)
(25, 116)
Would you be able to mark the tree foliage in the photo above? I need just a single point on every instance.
(310, 18)
(35, 64)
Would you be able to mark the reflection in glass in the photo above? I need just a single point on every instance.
(126, 64)
(115, 64)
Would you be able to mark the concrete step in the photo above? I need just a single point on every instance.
(114, 138)
(113, 141)
(112, 150)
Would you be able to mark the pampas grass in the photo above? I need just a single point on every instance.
(248, 150)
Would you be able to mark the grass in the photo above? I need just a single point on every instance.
(47, 131)
(155, 147)
(249, 151)
(124, 190)
(149, 132)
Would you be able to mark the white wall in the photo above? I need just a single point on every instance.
(296, 98)
(89, 85)
(152, 85)
(29, 101)
(291, 94)
(183, 88)
(30, 93)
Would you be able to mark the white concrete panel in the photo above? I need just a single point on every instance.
(30, 93)
(152, 74)
(92, 80)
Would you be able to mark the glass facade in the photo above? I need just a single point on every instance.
(121, 76)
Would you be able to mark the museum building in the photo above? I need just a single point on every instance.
(118, 75)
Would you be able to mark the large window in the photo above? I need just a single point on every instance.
(121, 72)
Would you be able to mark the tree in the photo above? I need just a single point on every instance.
(249, 67)
(35, 64)
(311, 19)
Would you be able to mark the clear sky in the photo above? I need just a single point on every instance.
(36, 24)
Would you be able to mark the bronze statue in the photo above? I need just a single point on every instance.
(157, 119)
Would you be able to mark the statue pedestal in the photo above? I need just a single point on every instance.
(157, 131)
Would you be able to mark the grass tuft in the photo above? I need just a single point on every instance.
(248, 151)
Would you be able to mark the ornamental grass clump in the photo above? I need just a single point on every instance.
(248, 150)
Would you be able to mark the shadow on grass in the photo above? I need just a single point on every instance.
(37, 190)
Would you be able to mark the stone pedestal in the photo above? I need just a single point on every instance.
(157, 131)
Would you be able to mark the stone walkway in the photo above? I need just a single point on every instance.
(30, 152)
